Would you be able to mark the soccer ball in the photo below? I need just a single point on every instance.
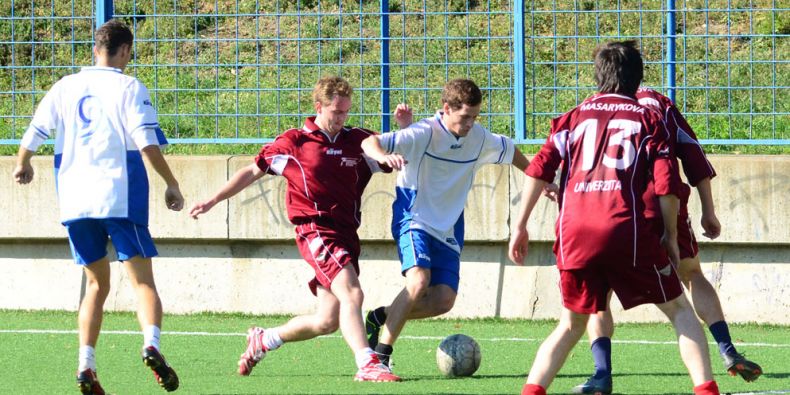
(458, 356)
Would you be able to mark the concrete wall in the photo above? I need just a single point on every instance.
(241, 256)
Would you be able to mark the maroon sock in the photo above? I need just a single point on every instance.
(707, 388)
(533, 389)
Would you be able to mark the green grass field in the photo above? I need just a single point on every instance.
(40, 351)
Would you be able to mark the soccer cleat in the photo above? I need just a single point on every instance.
(602, 386)
(254, 353)
(164, 374)
(737, 364)
(88, 383)
(374, 370)
(372, 328)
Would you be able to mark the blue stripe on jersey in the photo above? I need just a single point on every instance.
(401, 210)
(501, 154)
(458, 231)
(451, 160)
(160, 136)
(41, 132)
(138, 188)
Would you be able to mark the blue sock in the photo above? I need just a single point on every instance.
(721, 333)
(602, 356)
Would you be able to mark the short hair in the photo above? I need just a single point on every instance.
(330, 86)
(112, 34)
(618, 67)
(461, 91)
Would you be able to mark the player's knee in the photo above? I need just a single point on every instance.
(417, 287)
(328, 326)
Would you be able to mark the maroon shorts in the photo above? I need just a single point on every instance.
(328, 251)
(687, 243)
(584, 290)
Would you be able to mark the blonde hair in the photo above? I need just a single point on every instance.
(328, 87)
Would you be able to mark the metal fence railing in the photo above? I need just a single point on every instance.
(230, 71)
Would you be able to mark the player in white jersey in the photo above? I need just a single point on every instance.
(104, 123)
(438, 158)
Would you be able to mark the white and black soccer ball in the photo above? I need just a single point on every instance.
(458, 356)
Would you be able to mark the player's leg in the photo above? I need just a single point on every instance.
(692, 343)
(135, 249)
(555, 349)
(600, 329)
(88, 242)
(708, 308)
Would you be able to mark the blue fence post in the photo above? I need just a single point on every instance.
(671, 32)
(518, 71)
(385, 66)
(104, 11)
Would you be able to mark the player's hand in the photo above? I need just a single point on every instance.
(23, 173)
(173, 199)
(551, 192)
(670, 243)
(518, 246)
(404, 116)
(711, 226)
(201, 208)
(395, 161)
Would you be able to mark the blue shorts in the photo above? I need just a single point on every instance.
(88, 239)
(418, 248)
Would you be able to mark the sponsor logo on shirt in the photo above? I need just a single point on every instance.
(348, 162)
(424, 256)
(333, 151)
(597, 186)
(456, 146)
(147, 103)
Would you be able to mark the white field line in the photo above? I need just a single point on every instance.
(491, 339)
(759, 392)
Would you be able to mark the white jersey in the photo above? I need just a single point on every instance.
(432, 188)
(100, 119)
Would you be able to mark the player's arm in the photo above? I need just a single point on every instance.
(23, 173)
(173, 198)
(373, 149)
(519, 238)
(710, 223)
(242, 179)
(669, 213)
(519, 160)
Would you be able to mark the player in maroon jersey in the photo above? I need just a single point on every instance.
(326, 173)
(706, 303)
(609, 148)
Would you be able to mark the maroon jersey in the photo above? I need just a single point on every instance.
(695, 165)
(326, 177)
(609, 147)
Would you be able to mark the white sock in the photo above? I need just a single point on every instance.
(363, 356)
(271, 339)
(87, 358)
(151, 335)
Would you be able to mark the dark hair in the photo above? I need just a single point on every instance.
(330, 86)
(111, 35)
(618, 67)
(461, 91)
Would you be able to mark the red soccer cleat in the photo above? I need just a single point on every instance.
(164, 374)
(254, 353)
(375, 371)
(88, 383)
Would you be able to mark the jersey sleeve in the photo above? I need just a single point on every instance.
(666, 179)
(497, 149)
(45, 120)
(695, 164)
(545, 164)
(141, 119)
(274, 156)
(410, 143)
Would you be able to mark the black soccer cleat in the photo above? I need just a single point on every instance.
(164, 374)
(602, 386)
(737, 364)
(88, 383)
(372, 328)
